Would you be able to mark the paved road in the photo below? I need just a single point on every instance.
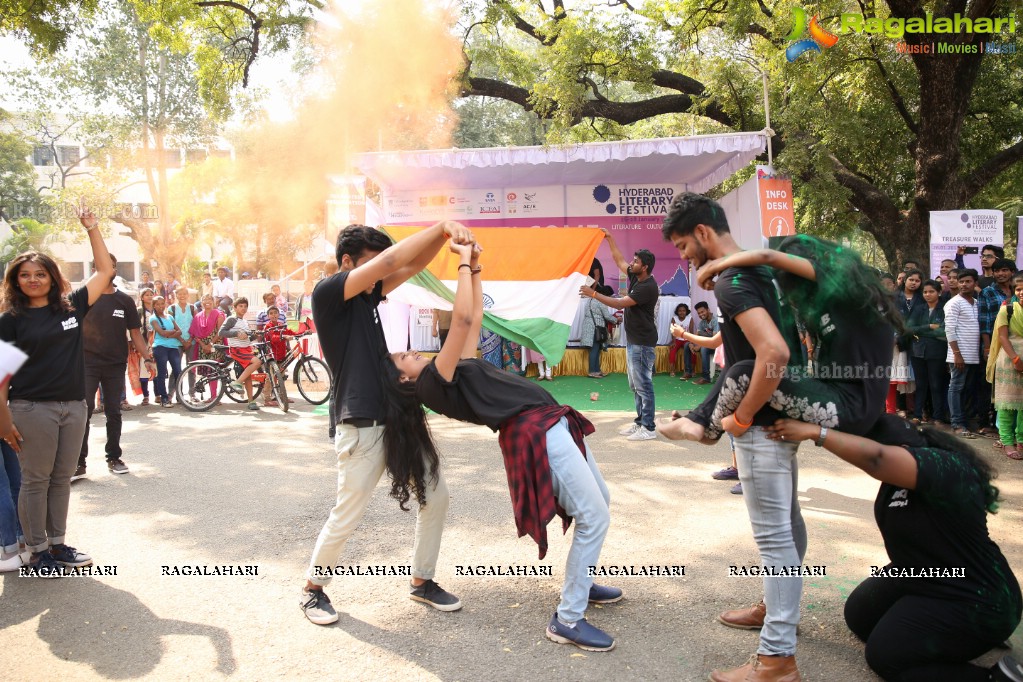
(253, 489)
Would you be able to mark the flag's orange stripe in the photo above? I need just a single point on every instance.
(521, 253)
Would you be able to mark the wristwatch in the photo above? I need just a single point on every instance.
(820, 439)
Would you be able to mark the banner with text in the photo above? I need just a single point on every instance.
(969, 229)
(632, 213)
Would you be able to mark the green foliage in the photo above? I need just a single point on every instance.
(488, 122)
(44, 25)
(18, 194)
(850, 117)
(26, 235)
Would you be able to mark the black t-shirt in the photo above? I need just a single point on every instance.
(943, 524)
(106, 327)
(479, 393)
(640, 325)
(854, 355)
(55, 368)
(738, 290)
(353, 345)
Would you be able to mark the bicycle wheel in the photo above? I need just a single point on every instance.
(241, 396)
(273, 373)
(313, 380)
(207, 385)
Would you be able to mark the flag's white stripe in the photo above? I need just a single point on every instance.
(556, 300)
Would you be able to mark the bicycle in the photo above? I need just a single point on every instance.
(311, 374)
(203, 383)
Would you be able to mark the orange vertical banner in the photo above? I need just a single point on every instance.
(776, 216)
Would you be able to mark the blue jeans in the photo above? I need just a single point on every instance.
(687, 360)
(769, 473)
(10, 486)
(595, 358)
(164, 355)
(706, 358)
(581, 491)
(963, 383)
(640, 363)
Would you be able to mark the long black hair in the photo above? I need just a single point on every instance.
(891, 429)
(409, 453)
(842, 281)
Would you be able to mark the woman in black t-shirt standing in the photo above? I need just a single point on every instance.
(47, 395)
(551, 470)
(947, 594)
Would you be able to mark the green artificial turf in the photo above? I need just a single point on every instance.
(614, 394)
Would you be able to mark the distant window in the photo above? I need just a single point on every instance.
(220, 153)
(42, 156)
(74, 272)
(68, 155)
(126, 271)
(195, 155)
(172, 158)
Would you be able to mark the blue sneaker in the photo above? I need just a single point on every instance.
(599, 594)
(581, 634)
(69, 556)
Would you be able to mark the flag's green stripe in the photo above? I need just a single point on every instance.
(547, 336)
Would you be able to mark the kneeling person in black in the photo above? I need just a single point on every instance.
(947, 594)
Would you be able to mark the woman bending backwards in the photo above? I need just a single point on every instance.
(845, 308)
(550, 468)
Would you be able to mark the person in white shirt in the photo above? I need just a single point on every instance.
(963, 333)
(223, 288)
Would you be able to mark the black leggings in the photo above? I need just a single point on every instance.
(797, 397)
(931, 639)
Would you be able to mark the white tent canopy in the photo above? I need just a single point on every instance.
(699, 162)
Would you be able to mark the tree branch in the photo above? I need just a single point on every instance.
(987, 171)
(619, 112)
(254, 21)
(897, 100)
(526, 27)
(875, 204)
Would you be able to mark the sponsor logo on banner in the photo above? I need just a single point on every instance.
(634, 200)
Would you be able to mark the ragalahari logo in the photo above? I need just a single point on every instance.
(819, 38)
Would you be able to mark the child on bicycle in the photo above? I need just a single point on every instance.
(236, 332)
(274, 333)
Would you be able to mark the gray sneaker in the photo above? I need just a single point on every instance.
(316, 606)
(436, 596)
(629, 430)
(116, 466)
(642, 434)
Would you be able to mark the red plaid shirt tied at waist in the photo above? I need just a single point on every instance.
(523, 442)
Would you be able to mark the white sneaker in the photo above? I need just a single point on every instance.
(12, 564)
(642, 434)
(629, 430)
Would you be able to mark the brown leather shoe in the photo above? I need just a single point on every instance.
(745, 619)
(761, 668)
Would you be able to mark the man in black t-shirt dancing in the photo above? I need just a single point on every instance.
(750, 320)
(345, 309)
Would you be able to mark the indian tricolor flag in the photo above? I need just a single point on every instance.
(531, 279)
